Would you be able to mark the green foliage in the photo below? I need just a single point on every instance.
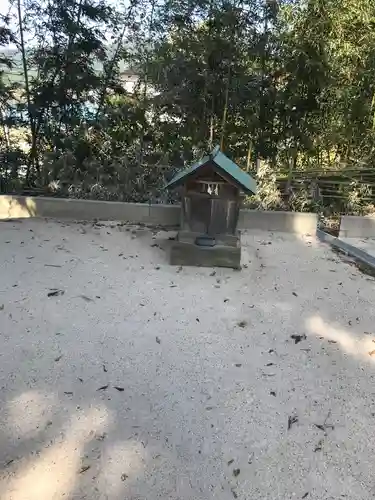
(268, 196)
(284, 85)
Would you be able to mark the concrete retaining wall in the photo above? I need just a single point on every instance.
(286, 222)
(63, 208)
(166, 215)
(357, 227)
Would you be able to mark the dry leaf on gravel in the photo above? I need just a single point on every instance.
(55, 293)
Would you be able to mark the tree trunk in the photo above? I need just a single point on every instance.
(225, 111)
(212, 126)
(33, 152)
(143, 128)
(109, 74)
(248, 157)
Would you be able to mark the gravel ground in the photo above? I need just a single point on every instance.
(137, 380)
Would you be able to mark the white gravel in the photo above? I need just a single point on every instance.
(208, 371)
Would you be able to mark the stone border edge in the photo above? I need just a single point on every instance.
(359, 255)
(15, 206)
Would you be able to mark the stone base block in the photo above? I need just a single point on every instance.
(189, 254)
(231, 240)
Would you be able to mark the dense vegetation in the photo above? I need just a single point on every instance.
(287, 88)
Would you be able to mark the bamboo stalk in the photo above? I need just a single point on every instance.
(225, 112)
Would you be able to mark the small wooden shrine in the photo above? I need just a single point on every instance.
(211, 196)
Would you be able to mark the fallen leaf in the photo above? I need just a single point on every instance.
(292, 420)
(84, 468)
(318, 447)
(103, 387)
(100, 436)
(238, 365)
(213, 273)
(324, 427)
(226, 300)
(236, 472)
(294, 293)
(234, 493)
(2, 307)
(87, 299)
(157, 340)
(273, 393)
(242, 324)
(55, 293)
(372, 353)
(105, 369)
(298, 338)
(305, 495)
(230, 461)
(120, 389)
(80, 379)
(59, 357)
(124, 477)
(68, 393)
(197, 320)
(270, 364)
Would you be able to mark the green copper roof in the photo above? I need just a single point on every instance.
(244, 180)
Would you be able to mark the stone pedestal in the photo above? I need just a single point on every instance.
(226, 252)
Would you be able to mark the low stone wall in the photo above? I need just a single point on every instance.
(12, 207)
(67, 208)
(286, 222)
(357, 227)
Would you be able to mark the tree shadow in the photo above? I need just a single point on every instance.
(182, 383)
